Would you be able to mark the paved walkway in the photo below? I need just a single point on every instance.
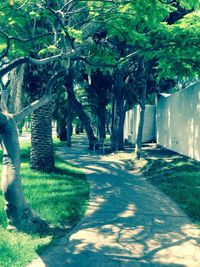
(129, 223)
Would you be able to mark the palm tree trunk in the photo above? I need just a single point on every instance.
(42, 153)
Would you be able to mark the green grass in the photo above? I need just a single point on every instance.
(178, 177)
(60, 197)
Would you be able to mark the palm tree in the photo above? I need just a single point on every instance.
(42, 154)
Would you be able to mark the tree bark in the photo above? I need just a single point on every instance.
(15, 93)
(78, 108)
(108, 122)
(42, 153)
(118, 112)
(83, 117)
(69, 124)
(101, 114)
(121, 125)
(19, 214)
(61, 128)
(16, 96)
(114, 139)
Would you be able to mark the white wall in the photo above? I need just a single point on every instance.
(178, 121)
(132, 121)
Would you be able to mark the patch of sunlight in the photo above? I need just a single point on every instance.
(129, 234)
(90, 169)
(190, 231)
(184, 256)
(95, 205)
(129, 212)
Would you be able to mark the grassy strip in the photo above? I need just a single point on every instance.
(177, 176)
(60, 197)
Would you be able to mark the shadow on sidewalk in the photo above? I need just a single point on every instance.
(129, 223)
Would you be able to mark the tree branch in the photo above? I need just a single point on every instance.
(31, 108)
(58, 18)
(35, 61)
(46, 98)
(15, 38)
(99, 65)
(13, 65)
(30, 39)
(66, 5)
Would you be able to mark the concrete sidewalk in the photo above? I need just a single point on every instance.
(129, 223)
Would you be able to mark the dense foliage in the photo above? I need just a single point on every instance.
(91, 29)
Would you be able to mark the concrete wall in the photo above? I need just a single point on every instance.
(178, 121)
(132, 121)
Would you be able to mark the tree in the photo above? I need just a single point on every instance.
(41, 153)
(77, 106)
(69, 28)
(98, 88)
(63, 114)
(152, 37)
(19, 214)
(17, 97)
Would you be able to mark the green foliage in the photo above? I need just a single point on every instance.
(51, 49)
(189, 4)
(108, 34)
(74, 33)
(179, 52)
(139, 24)
(101, 54)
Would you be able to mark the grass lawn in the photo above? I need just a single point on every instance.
(177, 176)
(60, 197)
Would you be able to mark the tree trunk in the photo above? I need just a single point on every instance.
(42, 154)
(83, 117)
(121, 126)
(69, 124)
(61, 128)
(69, 133)
(114, 139)
(19, 214)
(78, 108)
(16, 95)
(138, 144)
(118, 112)
(101, 114)
(108, 122)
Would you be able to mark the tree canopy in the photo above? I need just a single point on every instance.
(39, 31)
